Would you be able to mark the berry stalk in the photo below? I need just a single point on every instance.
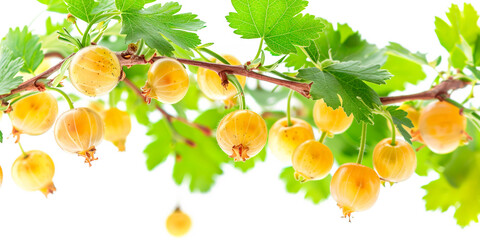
(363, 142)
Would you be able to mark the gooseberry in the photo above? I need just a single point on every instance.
(211, 84)
(283, 139)
(34, 115)
(178, 223)
(242, 134)
(95, 70)
(33, 171)
(79, 130)
(355, 188)
(312, 160)
(329, 120)
(1, 176)
(442, 127)
(394, 163)
(117, 127)
(167, 81)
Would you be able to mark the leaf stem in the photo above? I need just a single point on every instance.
(78, 29)
(363, 142)
(289, 118)
(309, 57)
(259, 49)
(472, 112)
(323, 137)
(70, 103)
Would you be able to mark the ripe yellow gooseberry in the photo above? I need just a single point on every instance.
(34, 114)
(329, 120)
(355, 188)
(211, 84)
(96, 106)
(283, 139)
(1, 176)
(79, 131)
(442, 127)
(33, 171)
(312, 160)
(167, 81)
(394, 163)
(178, 223)
(117, 127)
(242, 134)
(95, 70)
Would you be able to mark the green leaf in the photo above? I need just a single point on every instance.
(52, 28)
(279, 23)
(403, 70)
(316, 191)
(161, 146)
(1, 136)
(458, 58)
(81, 9)
(342, 44)
(458, 183)
(346, 80)
(200, 164)
(466, 198)
(464, 22)
(400, 120)
(398, 50)
(25, 45)
(124, 5)
(158, 23)
(476, 52)
(446, 34)
(55, 5)
(9, 67)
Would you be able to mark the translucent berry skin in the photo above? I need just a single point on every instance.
(355, 188)
(442, 127)
(242, 134)
(178, 223)
(329, 120)
(95, 70)
(79, 130)
(167, 81)
(211, 84)
(117, 127)
(1, 176)
(312, 160)
(394, 163)
(283, 139)
(34, 172)
(35, 114)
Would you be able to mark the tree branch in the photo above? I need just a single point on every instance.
(300, 87)
(438, 92)
(128, 59)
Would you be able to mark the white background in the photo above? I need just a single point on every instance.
(118, 198)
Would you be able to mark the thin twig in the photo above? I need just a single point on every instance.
(438, 92)
(205, 130)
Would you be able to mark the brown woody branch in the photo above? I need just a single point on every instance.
(128, 59)
(441, 91)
